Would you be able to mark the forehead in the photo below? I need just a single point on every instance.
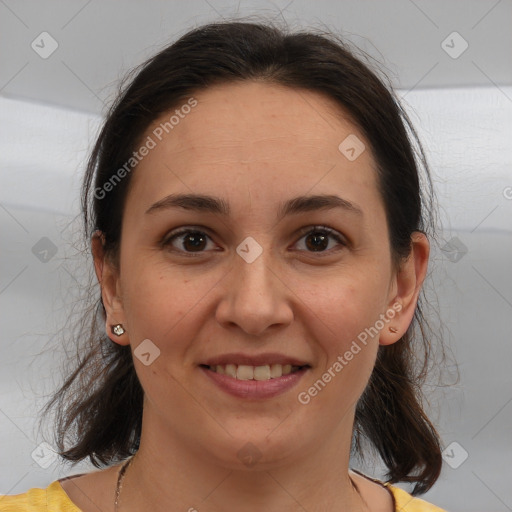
(253, 115)
(273, 136)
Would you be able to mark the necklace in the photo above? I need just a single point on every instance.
(124, 467)
(122, 471)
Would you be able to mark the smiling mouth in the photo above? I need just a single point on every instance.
(248, 372)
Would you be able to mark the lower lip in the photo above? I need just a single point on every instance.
(254, 388)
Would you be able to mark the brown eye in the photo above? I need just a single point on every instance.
(317, 241)
(317, 238)
(188, 241)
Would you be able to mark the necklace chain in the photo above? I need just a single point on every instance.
(120, 478)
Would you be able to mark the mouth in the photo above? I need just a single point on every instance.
(254, 377)
(259, 373)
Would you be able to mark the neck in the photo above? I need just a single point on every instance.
(169, 475)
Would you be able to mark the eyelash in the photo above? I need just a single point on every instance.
(170, 237)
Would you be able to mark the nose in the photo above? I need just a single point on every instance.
(254, 296)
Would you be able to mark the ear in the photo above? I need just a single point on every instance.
(108, 277)
(405, 290)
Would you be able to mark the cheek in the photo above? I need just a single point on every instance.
(344, 306)
(161, 305)
(155, 301)
(342, 320)
(156, 286)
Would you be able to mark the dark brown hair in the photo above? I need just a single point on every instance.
(99, 405)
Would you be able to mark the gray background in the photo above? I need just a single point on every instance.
(50, 111)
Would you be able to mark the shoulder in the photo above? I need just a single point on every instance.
(398, 499)
(405, 502)
(51, 498)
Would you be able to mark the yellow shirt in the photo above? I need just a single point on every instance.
(54, 499)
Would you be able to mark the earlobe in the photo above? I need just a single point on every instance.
(107, 276)
(406, 289)
(117, 331)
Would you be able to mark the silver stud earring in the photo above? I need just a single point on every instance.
(117, 329)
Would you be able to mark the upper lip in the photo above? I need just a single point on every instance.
(254, 360)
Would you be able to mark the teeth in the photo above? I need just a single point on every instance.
(244, 372)
(276, 370)
(247, 372)
(262, 372)
(230, 370)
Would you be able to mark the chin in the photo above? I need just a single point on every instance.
(261, 446)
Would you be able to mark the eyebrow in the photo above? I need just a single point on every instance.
(216, 205)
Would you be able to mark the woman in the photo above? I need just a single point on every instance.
(261, 239)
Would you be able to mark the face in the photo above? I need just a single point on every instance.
(254, 286)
